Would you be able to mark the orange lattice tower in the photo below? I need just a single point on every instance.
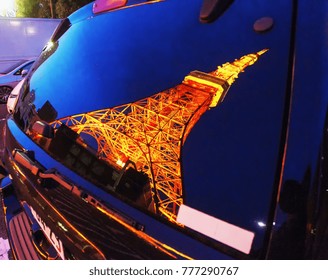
(151, 132)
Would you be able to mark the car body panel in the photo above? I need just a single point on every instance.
(238, 156)
(305, 162)
(180, 48)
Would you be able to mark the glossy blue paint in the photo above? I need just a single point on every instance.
(233, 158)
(159, 230)
(230, 158)
(306, 152)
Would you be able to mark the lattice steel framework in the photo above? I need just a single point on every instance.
(151, 132)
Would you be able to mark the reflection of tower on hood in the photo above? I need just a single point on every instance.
(219, 81)
(150, 132)
(230, 71)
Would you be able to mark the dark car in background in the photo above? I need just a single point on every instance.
(176, 129)
(11, 76)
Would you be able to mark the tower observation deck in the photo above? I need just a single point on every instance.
(150, 132)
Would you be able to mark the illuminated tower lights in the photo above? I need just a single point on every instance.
(151, 132)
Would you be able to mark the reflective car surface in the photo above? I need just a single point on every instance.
(11, 76)
(176, 129)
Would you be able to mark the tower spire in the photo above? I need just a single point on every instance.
(219, 81)
(230, 71)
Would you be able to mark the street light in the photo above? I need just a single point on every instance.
(7, 8)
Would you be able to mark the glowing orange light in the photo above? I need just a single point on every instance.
(151, 132)
(159, 245)
(120, 163)
(74, 229)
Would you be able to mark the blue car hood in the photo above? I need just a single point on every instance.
(232, 156)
